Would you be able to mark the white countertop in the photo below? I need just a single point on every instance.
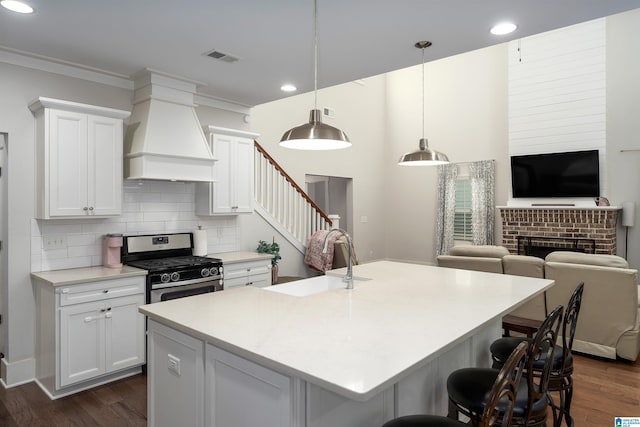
(353, 342)
(239, 256)
(73, 276)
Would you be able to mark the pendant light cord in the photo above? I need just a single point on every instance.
(315, 53)
(423, 93)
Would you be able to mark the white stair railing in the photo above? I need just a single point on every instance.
(284, 201)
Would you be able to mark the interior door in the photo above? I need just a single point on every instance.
(3, 228)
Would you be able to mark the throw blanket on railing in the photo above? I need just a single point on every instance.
(314, 257)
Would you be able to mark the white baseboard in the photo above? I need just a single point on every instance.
(17, 373)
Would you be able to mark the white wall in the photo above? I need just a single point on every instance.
(465, 118)
(623, 121)
(360, 111)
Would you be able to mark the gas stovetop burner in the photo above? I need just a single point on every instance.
(180, 262)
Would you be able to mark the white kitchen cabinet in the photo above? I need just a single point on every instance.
(249, 273)
(232, 191)
(88, 333)
(78, 159)
(242, 393)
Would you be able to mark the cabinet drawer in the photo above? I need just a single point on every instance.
(104, 289)
(242, 269)
(257, 280)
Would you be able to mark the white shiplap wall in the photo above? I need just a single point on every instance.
(148, 207)
(557, 92)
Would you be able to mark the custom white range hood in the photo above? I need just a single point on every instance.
(164, 139)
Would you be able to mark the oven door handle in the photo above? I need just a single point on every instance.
(184, 282)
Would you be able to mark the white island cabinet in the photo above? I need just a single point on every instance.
(88, 329)
(78, 159)
(339, 357)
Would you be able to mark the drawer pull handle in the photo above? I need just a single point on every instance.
(105, 291)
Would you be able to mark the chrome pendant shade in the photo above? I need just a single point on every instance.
(315, 135)
(425, 156)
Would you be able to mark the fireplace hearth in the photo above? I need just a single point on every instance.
(542, 246)
(546, 229)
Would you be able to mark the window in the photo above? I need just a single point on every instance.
(462, 229)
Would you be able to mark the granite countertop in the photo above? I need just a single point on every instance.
(239, 256)
(353, 342)
(72, 276)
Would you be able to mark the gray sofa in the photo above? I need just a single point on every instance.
(609, 321)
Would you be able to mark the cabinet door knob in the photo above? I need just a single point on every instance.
(102, 310)
(90, 208)
(85, 209)
(105, 291)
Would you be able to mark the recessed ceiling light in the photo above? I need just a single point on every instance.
(503, 28)
(288, 88)
(16, 6)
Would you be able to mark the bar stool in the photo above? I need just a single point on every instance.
(561, 379)
(501, 399)
(468, 387)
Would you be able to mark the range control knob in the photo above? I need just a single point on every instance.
(204, 272)
(164, 278)
(175, 276)
(213, 271)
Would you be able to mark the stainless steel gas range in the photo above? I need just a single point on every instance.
(174, 272)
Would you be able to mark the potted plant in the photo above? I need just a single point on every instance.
(274, 249)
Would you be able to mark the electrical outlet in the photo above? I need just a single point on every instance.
(54, 242)
(173, 363)
(329, 112)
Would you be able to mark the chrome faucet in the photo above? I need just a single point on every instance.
(349, 276)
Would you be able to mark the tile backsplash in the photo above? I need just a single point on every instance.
(148, 207)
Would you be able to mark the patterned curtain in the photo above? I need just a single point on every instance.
(447, 175)
(482, 201)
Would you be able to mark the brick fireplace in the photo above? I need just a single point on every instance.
(540, 230)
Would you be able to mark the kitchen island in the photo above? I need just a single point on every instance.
(340, 357)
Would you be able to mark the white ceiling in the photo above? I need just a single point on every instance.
(274, 39)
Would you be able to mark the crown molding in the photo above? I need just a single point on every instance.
(64, 68)
(74, 70)
(222, 104)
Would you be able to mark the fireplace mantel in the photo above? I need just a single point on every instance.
(597, 223)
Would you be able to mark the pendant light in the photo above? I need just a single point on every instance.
(425, 156)
(315, 135)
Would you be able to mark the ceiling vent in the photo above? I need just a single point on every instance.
(216, 54)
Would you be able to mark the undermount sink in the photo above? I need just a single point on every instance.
(314, 285)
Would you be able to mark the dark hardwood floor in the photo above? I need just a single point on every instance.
(603, 390)
(121, 403)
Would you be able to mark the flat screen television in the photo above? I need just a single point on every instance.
(570, 174)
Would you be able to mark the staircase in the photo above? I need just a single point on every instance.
(283, 204)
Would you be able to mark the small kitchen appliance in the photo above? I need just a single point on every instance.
(111, 245)
(174, 272)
